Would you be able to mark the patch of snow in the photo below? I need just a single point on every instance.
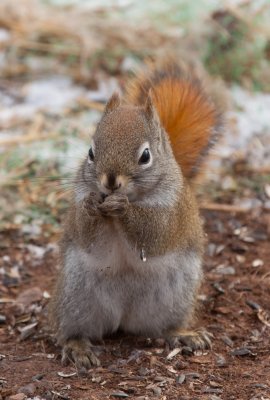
(248, 119)
(246, 134)
(52, 94)
(17, 112)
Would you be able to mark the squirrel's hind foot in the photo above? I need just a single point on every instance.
(198, 339)
(79, 351)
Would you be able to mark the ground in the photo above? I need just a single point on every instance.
(233, 303)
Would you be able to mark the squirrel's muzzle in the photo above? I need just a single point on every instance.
(111, 182)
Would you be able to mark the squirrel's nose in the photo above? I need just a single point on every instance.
(112, 183)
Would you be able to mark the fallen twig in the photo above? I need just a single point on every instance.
(224, 207)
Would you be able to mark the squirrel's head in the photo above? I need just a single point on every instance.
(129, 153)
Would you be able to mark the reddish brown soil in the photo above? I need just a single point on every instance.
(136, 366)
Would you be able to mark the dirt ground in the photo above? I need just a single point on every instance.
(234, 301)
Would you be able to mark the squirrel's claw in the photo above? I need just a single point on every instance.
(199, 339)
(79, 351)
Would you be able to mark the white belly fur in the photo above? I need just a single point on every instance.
(119, 290)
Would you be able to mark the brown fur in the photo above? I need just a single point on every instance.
(105, 283)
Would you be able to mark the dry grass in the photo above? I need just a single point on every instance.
(84, 39)
(33, 27)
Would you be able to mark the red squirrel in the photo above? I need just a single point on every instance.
(132, 246)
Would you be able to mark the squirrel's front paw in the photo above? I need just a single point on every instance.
(114, 205)
(81, 352)
(91, 204)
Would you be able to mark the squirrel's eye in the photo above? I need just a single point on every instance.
(91, 154)
(145, 157)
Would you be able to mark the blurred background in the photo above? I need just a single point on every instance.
(60, 60)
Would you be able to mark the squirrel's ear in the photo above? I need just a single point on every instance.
(113, 103)
(149, 108)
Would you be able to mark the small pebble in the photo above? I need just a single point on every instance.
(159, 378)
(257, 263)
(143, 371)
(28, 390)
(239, 258)
(221, 361)
(38, 377)
(260, 385)
(156, 390)
(180, 379)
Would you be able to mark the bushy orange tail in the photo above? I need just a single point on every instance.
(186, 113)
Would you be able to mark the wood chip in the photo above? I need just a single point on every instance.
(242, 351)
(212, 390)
(172, 370)
(201, 360)
(173, 353)
(264, 317)
(62, 396)
(5, 300)
(227, 340)
(63, 375)
(253, 305)
(215, 384)
(120, 394)
(27, 330)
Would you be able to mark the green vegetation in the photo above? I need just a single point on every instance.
(235, 53)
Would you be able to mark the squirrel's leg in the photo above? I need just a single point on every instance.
(81, 352)
(198, 339)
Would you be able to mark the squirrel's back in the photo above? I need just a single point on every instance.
(187, 114)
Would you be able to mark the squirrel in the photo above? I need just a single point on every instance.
(132, 247)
